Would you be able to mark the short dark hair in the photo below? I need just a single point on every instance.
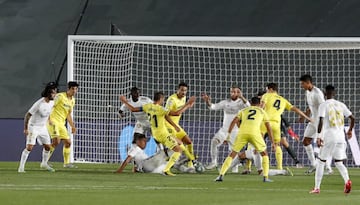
(158, 95)
(72, 84)
(183, 84)
(273, 86)
(134, 89)
(306, 78)
(47, 91)
(138, 136)
(330, 88)
(255, 100)
(235, 86)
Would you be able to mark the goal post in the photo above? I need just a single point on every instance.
(108, 66)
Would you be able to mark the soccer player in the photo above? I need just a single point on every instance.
(63, 106)
(314, 97)
(249, 121)
(176, 105)
(142, 124)
(230, 107)
(143, 163)
(274, 105)
(35, 128)
(158, 115)
(331, 126)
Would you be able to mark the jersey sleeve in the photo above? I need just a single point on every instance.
(320, 98)
(170, 104)
(240, 114)
(123, 108)
(133, 151)
(217, 106)
(58, 99)
(148, 100)
(164, 111)
(264, 98)
(288, 105)
(322, 110)
(34, 108)
(247, 104)
(347, 112)
(266, 117)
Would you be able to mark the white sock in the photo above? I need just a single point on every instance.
(24, 155)
(235, 162)
(319, 173)
(214, 150)
(343, 170)
(45, 156)
(328, 163)
(258, 161)
(310, 153)
(274, 172)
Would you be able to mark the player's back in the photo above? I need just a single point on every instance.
(251, 119)
(333, 112)
(174, 103)
(156, 115)
(314, 98)
(62, 107)
(275, 105)
(141, 117)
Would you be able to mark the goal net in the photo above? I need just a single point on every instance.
(108, 66)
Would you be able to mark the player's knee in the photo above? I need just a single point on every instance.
(307, 141)
(47, 147)
(264, 153)
(29, 147)
(187, 140)
(177, 149)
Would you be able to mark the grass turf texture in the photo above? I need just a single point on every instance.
(97, 184)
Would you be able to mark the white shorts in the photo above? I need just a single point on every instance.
(142, 129)
(153, 163)
(39, 133)
(249, 152)
(310, 131)
(333, 149)
(221, 135)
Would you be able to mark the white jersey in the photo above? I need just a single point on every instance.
(141, 117)
(40, 112)
(230, 108)
(138, 155)
(333, 112)
(314, 98)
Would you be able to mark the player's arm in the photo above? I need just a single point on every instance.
(188, 105)
(122, 110)
(235, 121)
(71, 123)
(287, 126)
(123, 164)
(26, 123)
(300, 113)
(131, 108)
(172, 123)
(207, 99)
(244, 100)
(352, 124)
(307, 113)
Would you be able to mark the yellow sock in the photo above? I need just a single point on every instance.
(226, 165)
(187, 153)
(173, 158)
(279, 157)
(52, 149)
(248, 164)
(265, 165)
(66, 154)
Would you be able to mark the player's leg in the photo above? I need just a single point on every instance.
(230, 142)
(309, 134)
(173, 144)
(45, 140)
(190, 149)
(289, 149)
(278, 151)
(324, 153)
(339, 155)
(30, 142)
(215, 143)
(328, 169)
(54, 132)
(260, 146)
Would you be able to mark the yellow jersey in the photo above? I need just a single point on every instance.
(156, 114)
(174, 103)
(275, 106)
(62, 107)
(251, 119)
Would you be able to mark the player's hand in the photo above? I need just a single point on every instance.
(191, 101)
(73, 130)
(26, 132)
(293, 134)
(122, 98)
(349, 134)
(273, 146)
(319, 142)
(205, 97)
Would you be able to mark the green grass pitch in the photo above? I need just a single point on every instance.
(97, 184)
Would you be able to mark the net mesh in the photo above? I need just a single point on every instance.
(107, 69)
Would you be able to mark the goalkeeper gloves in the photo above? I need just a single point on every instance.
(293, 134)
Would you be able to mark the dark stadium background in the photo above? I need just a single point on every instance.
(33, 36)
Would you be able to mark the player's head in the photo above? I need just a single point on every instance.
(329, 91)
(182, 90)
(261, 93)
(306, 82)
(272, 87)
(255, 101)
(72, 88)
(52, 85)
(159, 98)
(48, 93)
(235, 92)
(135, 93)
(140, 140)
